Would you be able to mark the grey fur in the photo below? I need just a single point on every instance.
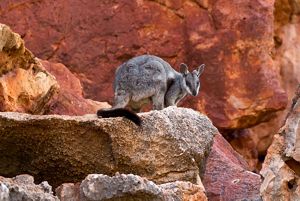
(149, 78)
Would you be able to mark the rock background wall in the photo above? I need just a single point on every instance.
(241, 85)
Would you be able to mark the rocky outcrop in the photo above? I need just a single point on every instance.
(128, 187)
(281, 168)
(227, 175)
(171, 145)
(22, 187)
(25, 86)
(218, 33)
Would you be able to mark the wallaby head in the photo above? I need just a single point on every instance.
(192, 83)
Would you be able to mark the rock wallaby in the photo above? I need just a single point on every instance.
(149, 78)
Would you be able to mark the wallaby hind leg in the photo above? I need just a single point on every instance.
(158, 101)
(121, 101)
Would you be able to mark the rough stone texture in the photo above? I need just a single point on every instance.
(185, 191)
(287, 29)
(12, 51)
(171, 145)
(227, 176)
(281, 169)
(25, 86)
(68, 191)
(22, 188)
(93, 37)
(69, 100)
(121, 187)
(254, 142)
(129, 187)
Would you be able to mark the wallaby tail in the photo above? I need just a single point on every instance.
(120, 112)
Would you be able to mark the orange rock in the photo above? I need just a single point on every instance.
(25, 86)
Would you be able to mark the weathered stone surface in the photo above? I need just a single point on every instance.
(25, 86)
(240, 86)
(129, 187)
(68, 191)
(22, 187)
(171, 145)
(281, 169)
(287, 57)
(122, 187)
(253, 143)
(227, 177)
(12, 51)
(181, 190)
(69, 100)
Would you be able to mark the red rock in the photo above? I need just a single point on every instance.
(286, 59)
(240, 86)
(69, 100)
(227, 177)
(68, 191)
(253, 143)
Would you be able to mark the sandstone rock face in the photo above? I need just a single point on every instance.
(227, 175)
(281, 168)
(287, 29)
(25, 86)
(240, 86)
(22, 187)
(253, 142)
(171, 145)
(129, 187)
(69, 100)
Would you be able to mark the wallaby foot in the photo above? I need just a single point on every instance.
(121, 101)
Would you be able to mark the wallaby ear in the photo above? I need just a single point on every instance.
(184, 68)
(200, 69)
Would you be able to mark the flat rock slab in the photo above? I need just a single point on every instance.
(171, 145)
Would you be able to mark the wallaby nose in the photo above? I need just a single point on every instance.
(195, 93)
